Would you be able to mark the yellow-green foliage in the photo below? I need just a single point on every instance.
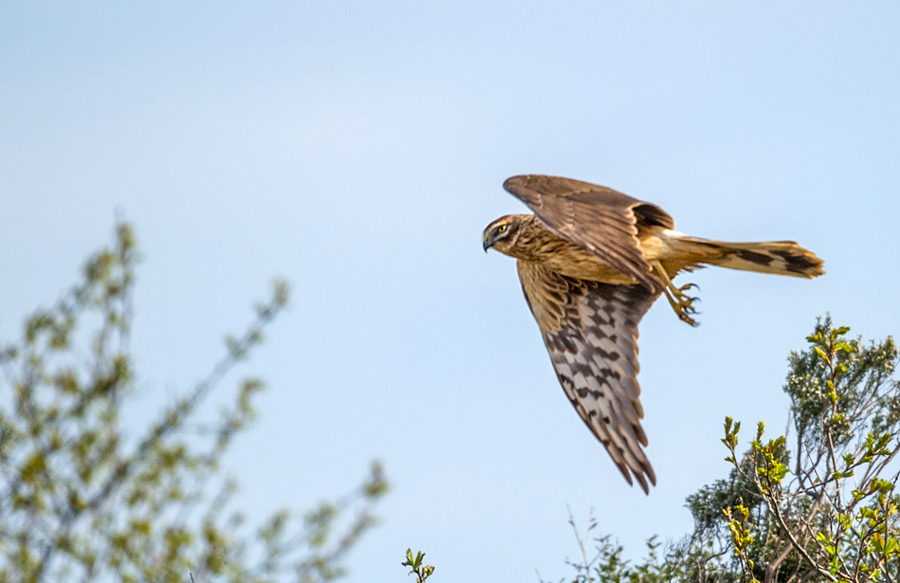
(84, 499)
(826, 511)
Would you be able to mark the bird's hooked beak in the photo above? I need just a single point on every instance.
(488, 241)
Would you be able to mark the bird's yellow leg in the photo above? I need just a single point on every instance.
(682, 303)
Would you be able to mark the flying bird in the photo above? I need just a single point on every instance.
(592, 261)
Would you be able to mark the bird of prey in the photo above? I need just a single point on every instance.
(592, 261)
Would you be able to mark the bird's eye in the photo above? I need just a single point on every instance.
(502, 229)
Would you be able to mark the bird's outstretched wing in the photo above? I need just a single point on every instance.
(601, 220)
(591, 331)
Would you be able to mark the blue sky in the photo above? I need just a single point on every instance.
(357, 149)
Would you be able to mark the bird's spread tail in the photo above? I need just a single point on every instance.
(778, 257)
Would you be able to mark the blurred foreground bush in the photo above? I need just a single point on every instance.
(84, 498)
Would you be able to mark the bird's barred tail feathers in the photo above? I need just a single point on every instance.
(778, 257)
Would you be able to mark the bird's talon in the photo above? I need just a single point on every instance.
(682, 303)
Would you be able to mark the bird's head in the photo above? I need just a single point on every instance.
(503, 233)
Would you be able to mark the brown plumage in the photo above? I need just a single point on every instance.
(592, 261)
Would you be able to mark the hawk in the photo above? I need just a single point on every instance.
(592, 261)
